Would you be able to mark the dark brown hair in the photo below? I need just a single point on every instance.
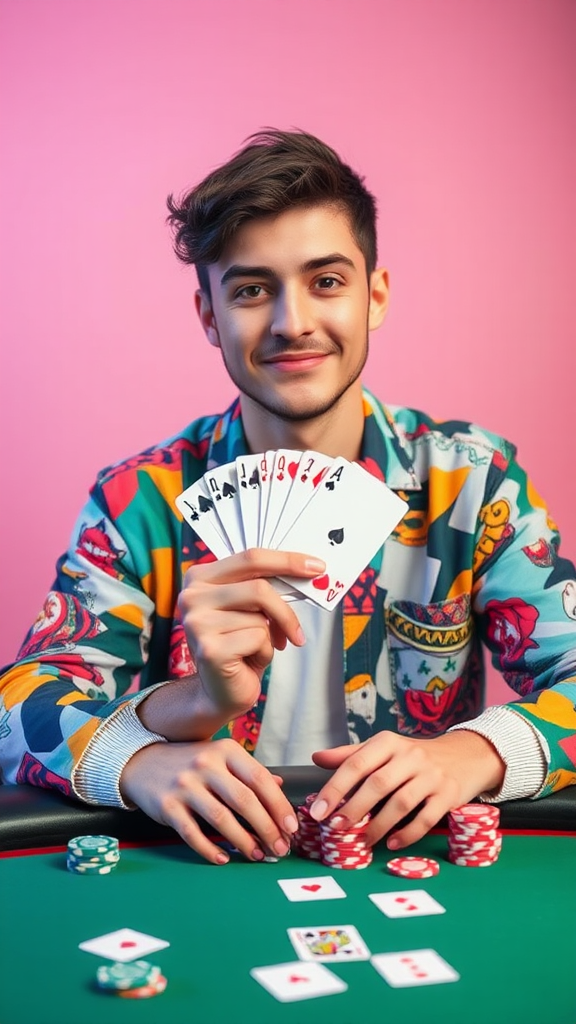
(275, 171)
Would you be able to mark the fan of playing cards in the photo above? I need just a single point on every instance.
(295, 501)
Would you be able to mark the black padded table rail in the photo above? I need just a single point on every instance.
(31, 818)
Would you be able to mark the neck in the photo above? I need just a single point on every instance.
(336, 432)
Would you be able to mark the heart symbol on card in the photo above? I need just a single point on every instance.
(321, 582)
(292, 469)
(127, 944)
(296, 977)
(312, 888)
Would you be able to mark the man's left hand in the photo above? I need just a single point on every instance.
(437, 774)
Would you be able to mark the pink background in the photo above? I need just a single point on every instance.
(461, 114)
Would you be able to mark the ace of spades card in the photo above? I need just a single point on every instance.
(347, 519)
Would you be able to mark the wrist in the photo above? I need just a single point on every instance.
(484, 766)
(181, 711)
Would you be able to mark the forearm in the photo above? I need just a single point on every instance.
(181, 711)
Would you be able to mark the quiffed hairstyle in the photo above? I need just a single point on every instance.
(275, 171)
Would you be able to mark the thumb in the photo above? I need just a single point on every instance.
(333, 756)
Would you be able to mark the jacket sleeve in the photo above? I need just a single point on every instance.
(83, 656)
(524, 596)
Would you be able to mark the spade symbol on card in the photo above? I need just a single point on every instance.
(334, 479)
(336, 536)
(205, 504)
(193, 513)
(228, 491)
(254, 479)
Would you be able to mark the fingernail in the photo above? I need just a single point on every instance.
(318, 809)
(257, 854)
(315, 564)
(221, 858)
(300, 637)
(392, 844)
(290, 823)
(281, 847)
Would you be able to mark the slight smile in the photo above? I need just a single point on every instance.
(297, 362)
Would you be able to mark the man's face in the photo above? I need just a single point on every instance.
(290, 309)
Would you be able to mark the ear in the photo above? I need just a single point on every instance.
(206, 316)
(379, 297)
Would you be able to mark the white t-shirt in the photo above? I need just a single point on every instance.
(305, 709)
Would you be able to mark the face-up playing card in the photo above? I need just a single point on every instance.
(323, 887)
(124, 945)
(198, 509)
(222, 485)
(265, 467)
(414, 967)
(280, 484)
(337, 943)
(412, 903)
(248, 475)
(292, 981)
(305, 471)
(345, 522)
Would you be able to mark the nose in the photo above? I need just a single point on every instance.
(292, 316)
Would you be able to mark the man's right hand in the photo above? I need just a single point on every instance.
(216, 780)
(234, 620)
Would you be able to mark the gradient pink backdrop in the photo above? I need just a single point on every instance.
(461, 114)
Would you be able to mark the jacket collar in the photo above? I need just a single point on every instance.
(382, 443)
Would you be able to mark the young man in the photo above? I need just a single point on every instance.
(230, 677)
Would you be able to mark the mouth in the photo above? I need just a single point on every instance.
(295, 362)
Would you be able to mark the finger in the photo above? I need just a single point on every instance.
(361, 762)
(256, 563)
(332, 757)
(260, 784)
(382, 782)
(180, 819)
(434, 807)
(202, 607)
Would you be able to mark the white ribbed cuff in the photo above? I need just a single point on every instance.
(522, 748)
(96, 778)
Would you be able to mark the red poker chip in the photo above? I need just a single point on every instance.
(467, 862)
(145, 991)
(471, 813)
(413, 867)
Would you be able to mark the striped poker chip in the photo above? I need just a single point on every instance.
(471, 862)
(342, 866)
(90, 846)
(155, 988)
(413, 867)
(476, 813)
(119, 976)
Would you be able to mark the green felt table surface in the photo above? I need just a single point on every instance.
(509, 930)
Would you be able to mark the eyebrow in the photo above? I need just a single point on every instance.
(241, 270)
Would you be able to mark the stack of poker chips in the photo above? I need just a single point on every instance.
(92, 855)
(345, 848)
(329, 843)
(135, 980)
(307, 842)
(474, 840)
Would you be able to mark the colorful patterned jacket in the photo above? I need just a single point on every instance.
(474, 559)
